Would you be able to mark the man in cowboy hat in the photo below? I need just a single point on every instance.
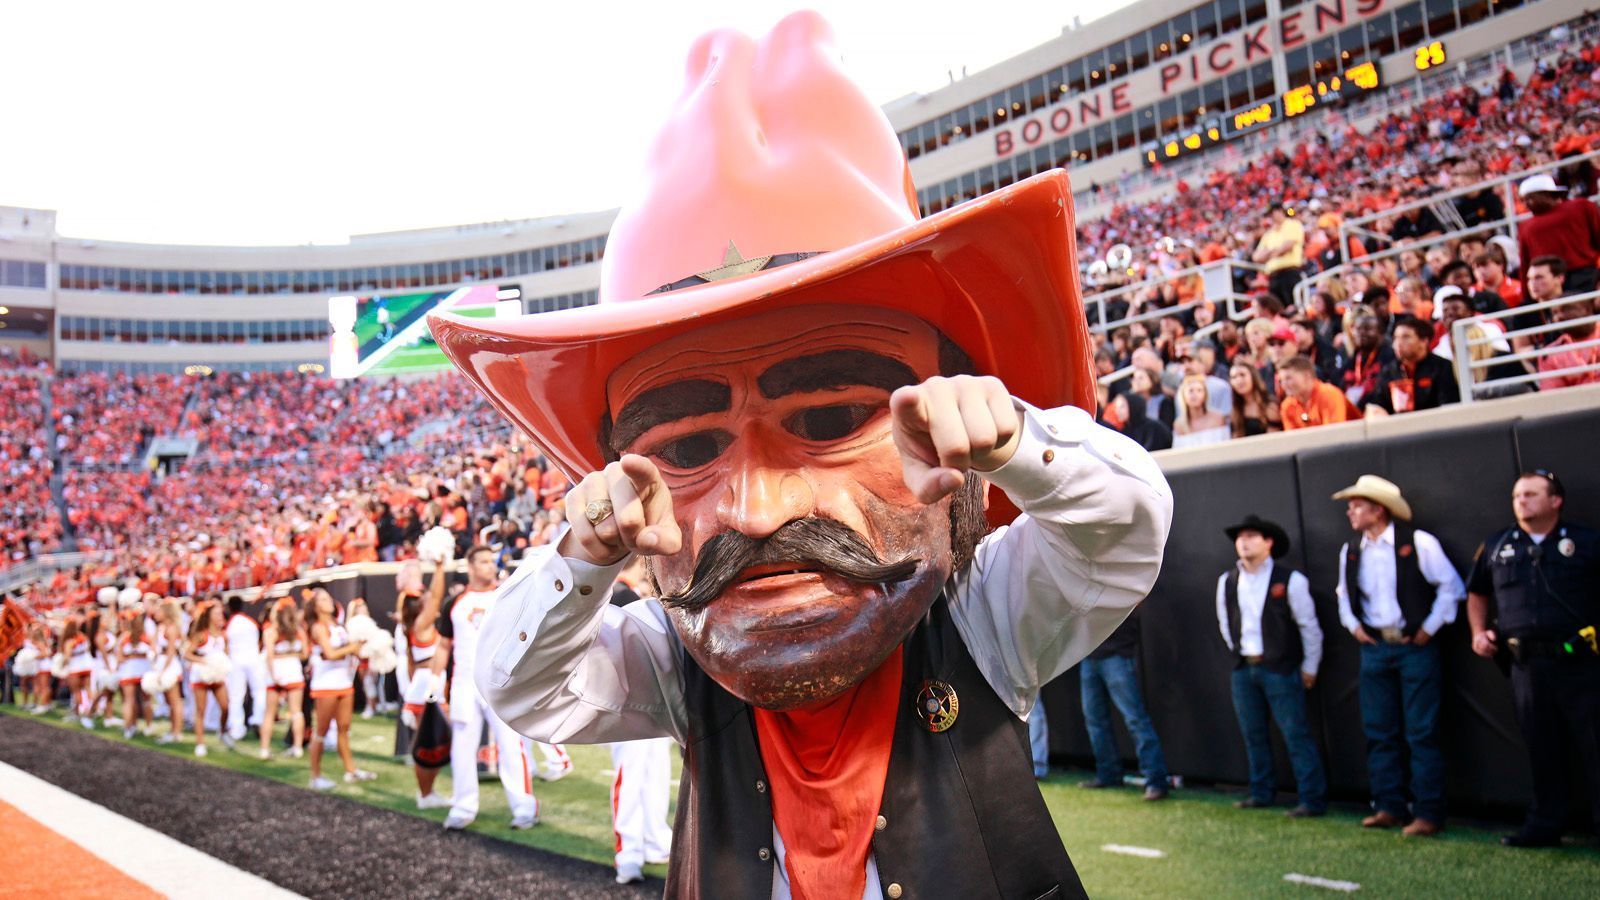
(1396, 590)
(790, 400)
(1269, 622)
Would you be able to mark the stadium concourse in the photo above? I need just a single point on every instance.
(288, 473)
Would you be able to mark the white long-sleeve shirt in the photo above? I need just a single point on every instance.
(560, 664)
(1378, 583)
(1253, 599)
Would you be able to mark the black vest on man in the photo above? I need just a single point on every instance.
(1414, 593)
(1280, 633)
(962, 813)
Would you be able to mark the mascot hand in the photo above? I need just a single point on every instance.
(946, 427)
(641, 518)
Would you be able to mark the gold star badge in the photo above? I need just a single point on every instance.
(734, 264)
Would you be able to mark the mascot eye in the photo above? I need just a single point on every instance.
(693, 450)
(828, 423)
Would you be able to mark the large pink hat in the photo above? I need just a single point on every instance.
(776, 183)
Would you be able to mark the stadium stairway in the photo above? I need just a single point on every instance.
(69, 537)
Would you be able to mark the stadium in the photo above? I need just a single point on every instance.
(1326, 248)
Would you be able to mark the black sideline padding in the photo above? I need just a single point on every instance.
(1458, 482)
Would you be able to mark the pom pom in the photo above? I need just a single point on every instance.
(213, 668)
(129, 598)
(105, 680)
(26, 662)
(380, 654)
(106, 595)
(436, 546)
(158, 681)
(58, 665)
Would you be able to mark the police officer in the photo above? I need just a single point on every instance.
(1543, 581)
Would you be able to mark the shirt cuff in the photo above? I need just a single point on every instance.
(1064, 437)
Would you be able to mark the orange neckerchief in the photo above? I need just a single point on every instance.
(827, 764)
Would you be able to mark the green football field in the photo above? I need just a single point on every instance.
(1193, 845)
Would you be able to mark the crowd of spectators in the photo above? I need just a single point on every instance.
(294, 471)
(1372, 337)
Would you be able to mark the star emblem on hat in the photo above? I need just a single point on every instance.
(734, 264)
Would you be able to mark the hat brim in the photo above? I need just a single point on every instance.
(1397, 506)
(1280, 538)
(997, 275)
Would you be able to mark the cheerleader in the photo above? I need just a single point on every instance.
(103, 679)
(40, 638)
(135, 650)
(165, 672)
(332, 689)
(418, 615)
(206, 651)
(77, 649)
(287, 648)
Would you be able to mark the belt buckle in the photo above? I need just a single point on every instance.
(1392, 635)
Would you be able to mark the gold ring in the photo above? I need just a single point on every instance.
(597, 511)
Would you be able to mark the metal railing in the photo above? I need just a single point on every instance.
(34, 568)
(1438, 202)
(1216, 287)
(1473, 384)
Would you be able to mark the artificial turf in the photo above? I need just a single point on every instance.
(1208, 848)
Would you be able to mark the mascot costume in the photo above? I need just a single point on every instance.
(792, 399)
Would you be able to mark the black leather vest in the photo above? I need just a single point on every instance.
(1280, 633)
(962, 814)
(1414, 593)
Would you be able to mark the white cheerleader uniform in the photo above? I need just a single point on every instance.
(330, 678)
(212, 645)
(136, 657)
(80, 661)
(287, 672)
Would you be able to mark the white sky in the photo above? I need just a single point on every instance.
(291, 122)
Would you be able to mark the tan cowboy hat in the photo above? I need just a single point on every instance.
(1381, 491)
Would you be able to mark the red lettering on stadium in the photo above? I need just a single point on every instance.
(1289, 33)
(1193, 68)
(1328, 15)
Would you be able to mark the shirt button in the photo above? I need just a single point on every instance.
(585, 589)
(1049, 456)
(764, 853)
(522, 635)
(880, 824)
(761, 786)
(894, 891)
(1050, 428)
(559, 585)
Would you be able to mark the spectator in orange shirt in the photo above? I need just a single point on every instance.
(1559, 359)
(552, 487)
(1308, 400)
(1489, 267)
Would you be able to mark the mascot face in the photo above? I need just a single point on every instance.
(806, 559)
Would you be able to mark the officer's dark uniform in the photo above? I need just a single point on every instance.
(1545, 594)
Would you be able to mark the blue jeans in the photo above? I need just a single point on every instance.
(1400, 687)
(1118, 677)
(1039, 738)
(1261, 696)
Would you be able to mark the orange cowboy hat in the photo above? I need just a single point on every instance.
(775, 183)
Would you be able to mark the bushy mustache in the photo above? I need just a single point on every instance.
(812, 543)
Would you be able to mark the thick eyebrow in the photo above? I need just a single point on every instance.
(668, 403)
(833, 369)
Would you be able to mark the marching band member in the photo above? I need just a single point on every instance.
(286, 651)
(248, 671)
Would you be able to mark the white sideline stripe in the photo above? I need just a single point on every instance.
(1332, 884)
(165, 865)
(1126, 850)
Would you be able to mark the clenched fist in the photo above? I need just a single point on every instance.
(945, 427)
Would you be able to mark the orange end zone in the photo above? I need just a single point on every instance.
(42, 863)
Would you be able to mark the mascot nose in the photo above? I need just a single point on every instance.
(762, 492)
